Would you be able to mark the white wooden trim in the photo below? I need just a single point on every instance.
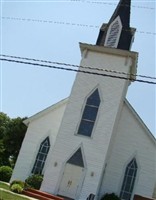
(123, 173)
(113, 33)
(63, 168)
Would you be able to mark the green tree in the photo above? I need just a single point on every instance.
(4, 121)
(12, 133)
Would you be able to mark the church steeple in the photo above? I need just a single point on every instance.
(117, 33)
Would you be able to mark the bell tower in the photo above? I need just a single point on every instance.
(93, 110)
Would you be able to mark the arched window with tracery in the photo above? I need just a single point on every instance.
(129, 180)
(41, 157)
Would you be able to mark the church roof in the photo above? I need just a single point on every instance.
(45, 111)
(122, 10)
(117, 33)
(139, 120)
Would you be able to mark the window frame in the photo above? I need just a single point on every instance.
(38, 168)
(133, 179)
(87, 120)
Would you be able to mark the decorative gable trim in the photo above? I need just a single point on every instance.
(113, 33)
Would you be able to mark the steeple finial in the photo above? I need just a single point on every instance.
(117, 33)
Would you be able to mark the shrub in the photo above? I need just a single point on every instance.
(17, 188)
(34, 181)
(111, 196)
(5, 173)
(19, 182)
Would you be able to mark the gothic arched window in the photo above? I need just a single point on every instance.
(89, 114)
(129, 180)
(41, 157)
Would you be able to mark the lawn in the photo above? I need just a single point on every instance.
(4, 185)
(7, 195)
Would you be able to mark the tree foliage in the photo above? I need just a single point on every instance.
(34, 181)
(16, 188)
(5, 173)
(12, 132)
(111, 196)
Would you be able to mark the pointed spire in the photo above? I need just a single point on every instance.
(117, 33)
(122, 10)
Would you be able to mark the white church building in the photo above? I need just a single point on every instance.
(94, 142)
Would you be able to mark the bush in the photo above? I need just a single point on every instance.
(19, 182)
(34, 181)
(111, 196)
(5, 173)
(17, 188)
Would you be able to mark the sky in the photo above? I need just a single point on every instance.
(51, 31)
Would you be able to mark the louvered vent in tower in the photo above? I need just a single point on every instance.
(113, 33)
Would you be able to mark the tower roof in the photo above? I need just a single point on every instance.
(117, 33)
(122, 10)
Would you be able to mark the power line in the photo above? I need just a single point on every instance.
(67, 23)
(114, 4)
(85, 1)
(50, 21)
(77, 66)
(76, 70)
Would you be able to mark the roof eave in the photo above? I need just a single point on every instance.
(45, 111)
(152, 137)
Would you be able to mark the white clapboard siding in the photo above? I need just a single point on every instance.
(41, 125)
(112, 92)
(133, 139)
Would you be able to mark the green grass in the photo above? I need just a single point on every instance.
(7, 195)
(4, 185)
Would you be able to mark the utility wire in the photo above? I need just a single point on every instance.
(76, 70)
(114, 4)
(77, 66)
(87, 1)
(67, 23)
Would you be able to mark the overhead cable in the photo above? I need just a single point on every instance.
(114, 4)
(67, 23)
(77, 66)
(76, 70)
